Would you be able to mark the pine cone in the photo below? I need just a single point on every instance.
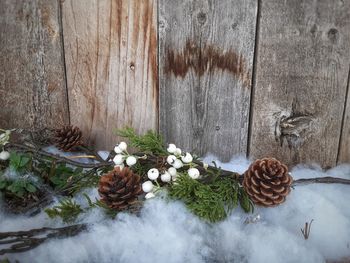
(267, 182)
(67, 138)
(119, 188)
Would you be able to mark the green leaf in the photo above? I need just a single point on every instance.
(3, 184)
(30, 188)
(24, 161)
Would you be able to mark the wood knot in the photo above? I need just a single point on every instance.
(293, 129)
(333, 35)
(201, 17)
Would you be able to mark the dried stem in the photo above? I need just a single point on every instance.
(21, 241)
(307, 229)
(58, 158)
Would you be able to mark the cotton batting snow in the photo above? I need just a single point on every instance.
(167, 232)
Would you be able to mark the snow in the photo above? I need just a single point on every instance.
(167, 232)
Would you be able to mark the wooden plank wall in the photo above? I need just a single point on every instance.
(32, 83)
(257, 77)
(111, 60)
(302, 59)
(206, 53)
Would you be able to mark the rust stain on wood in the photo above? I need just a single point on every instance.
(47, 23)
(153, 47)
(206, 59)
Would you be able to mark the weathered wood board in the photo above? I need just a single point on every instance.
(32, 81)
(344, 145)
(206, 53)
(111, 62)
(301, 77)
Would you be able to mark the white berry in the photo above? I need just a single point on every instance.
(193, 173)
(131, 160)
(165, 177)
(122, 146)
(171, 159)
(4, 155)
(171, 148)
(177, 164)
(153, 174)
(178, 151)
(117, 149)
(118, 159)
(205, 165)
(149, 195)
(172, 171)
(187, 158)
(147, 186)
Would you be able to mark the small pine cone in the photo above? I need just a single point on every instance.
(267, 182)
(120, 188)
(67, 138)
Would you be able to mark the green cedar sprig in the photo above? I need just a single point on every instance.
(67, 209)
(212, 202)
(151, 142)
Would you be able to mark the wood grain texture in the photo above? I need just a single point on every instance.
(111, 58)
(32, 81)
(205, 65)
(302, 67)
(344, 145)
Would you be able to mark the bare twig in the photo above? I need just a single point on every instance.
(307, 229)
(321, 180)
(25, 240)
(58, 158)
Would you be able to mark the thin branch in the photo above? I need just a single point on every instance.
(307, 229)
(321, 180)
(25, 240)
(57, 157)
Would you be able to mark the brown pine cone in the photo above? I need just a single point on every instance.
(267, 182)
(67, 138)
(120, 188)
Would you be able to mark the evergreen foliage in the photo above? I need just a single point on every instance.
(67, 209)
(151, 142)
(213, 201)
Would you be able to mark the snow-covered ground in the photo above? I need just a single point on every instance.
(167, 232)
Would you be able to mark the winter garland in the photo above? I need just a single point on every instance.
(126, 179)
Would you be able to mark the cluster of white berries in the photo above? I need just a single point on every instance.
(177, 161)
(122, 155)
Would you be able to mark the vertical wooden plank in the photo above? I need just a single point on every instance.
(302, 66)
(111, 60)
(205, 65)
(32, 81)
(344, 145)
